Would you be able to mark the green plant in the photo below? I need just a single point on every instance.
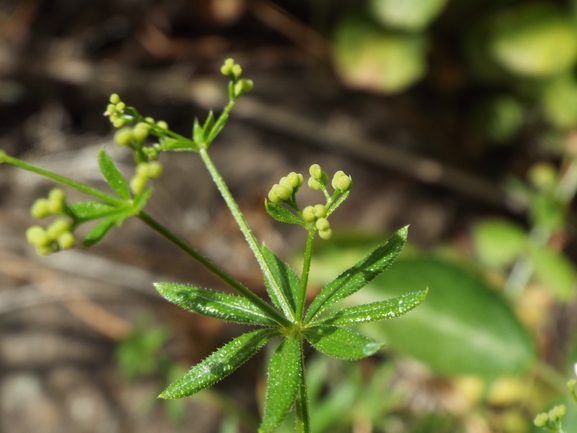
(289, 318)
(553, 420)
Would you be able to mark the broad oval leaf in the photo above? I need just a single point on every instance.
(375, 311)
(90, 210)
(359, 275)
(498, 242)
(555, 272)
(284, 372)
(282, 214)
(112, 175)
(464, 327)
(286, 278)
(214, 304)
(341, 343)
(219, 365)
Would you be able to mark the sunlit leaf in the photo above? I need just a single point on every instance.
(282, 214)
(282, 383)
(112, 175)
(220, 364)
(341, 343)
(90, 210)
(214, 304)
(375, 311)
(286, 278)
(360, 274)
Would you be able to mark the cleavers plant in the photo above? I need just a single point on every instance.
(288, 318)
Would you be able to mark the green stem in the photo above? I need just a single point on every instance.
(303, 422)
(247, 232)
(305, 274)
(109, 199)
(204, 261)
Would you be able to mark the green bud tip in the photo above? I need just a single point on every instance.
(273, 196)
(296, 180)
(226, 68)
(243, 86)
(117, 123)
(286, 183)
(37, 236)
(557, 413)
(114, 98)
(110, 109)
(57, 194)
(124, 136)
(316, 171)
(66, 241)
(142, 170)
(40, 208)
(149, 120)
(236, 70)
(45, 250)
(137, 184)
(140, 131)
(56, 200)
(320, 211)
(162, 124)
(309, 214)
(154, 169)
(541, 419)
(282, 192)
(322, 224)
(314, 184)
(120, 106)
(57, 228)
(326, 234)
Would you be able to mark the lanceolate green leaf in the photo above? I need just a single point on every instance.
(359, 275)
(282, 214)
(375, 311)
(219, 365)
(98, 232)
(341, 343)
(283, 381)
(288, 281)
(90, 210)
(112, 175)
(141, 199)
(214, 304)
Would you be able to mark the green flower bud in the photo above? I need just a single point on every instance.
(344, 183)
(286, 183)
(571, 385)
(37, 236)
(273, 196)
(114, 99)
(151, 153)
(40, 208)
(322, 224)
(314, 184)
(66, 240)
(149, 119)
(309, 214)
(137, 184)
(296, 180)
(140, 132)
(336, 177)
(142, 170)
(120, 106)
(110, 109)
(557, 413)
(316, 172)
(243, 86)
(154, 169)
(226, 68)
(320, 211)
(124, 136)
(56, 201)
(282, 192)
(45, 250)
(326, 234)
(541, 419)
(57, 228)
(236, 71)
(118, 123)
(162, 124)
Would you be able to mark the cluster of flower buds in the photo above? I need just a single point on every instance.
(58, 235)
(551, 420)
(341, 182)
(286, 188)
(234, 71)
(318, 179)
(115, 110)
(318, 214)
(144, 171)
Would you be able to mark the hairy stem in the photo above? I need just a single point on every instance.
(247, 232)
(305, 274)
(303, 422)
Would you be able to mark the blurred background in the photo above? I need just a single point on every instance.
(457, 117)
